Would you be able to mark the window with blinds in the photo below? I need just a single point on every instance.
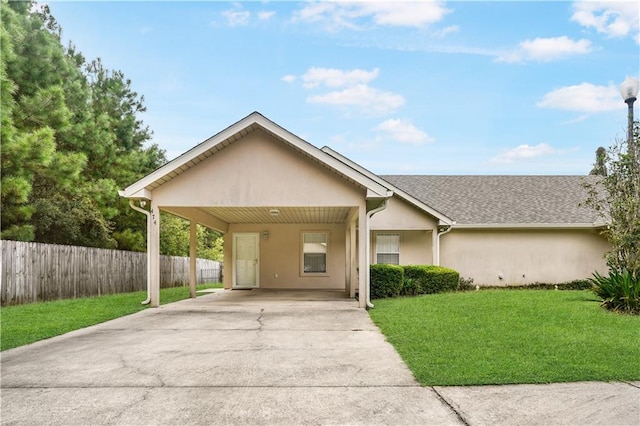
(388, 248)
(314, 252)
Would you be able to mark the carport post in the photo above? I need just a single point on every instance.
(154, 247)
(362, 257)
(193, 245)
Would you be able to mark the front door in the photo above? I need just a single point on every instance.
(245, 260)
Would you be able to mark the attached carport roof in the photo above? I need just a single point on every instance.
(143, 188)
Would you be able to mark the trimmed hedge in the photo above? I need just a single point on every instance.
(571, 285)
(386, 280)
(429, 279)
(411, 280)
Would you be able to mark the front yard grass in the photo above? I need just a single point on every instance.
(24, 324)
(503, 337)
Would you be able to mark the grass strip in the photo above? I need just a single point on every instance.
(505, 337)
(24, 324)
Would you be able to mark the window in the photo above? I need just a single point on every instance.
(388, 248)
(314, 252)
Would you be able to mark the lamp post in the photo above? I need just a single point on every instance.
(629, 92)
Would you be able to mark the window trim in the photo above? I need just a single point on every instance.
(376, 252)
(302, 253)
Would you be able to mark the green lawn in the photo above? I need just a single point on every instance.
(500, 337)
(23, 324)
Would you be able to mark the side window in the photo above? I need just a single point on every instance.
(388, 248)
(314, 252)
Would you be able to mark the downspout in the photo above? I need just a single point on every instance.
(438, 235)
(148, 214)
(367, 245)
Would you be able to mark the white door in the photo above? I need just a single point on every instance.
(245, 260)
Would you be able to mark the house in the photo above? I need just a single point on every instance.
(298, 217)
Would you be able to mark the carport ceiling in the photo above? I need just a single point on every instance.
(285, 214)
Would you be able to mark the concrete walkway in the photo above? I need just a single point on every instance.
(258, 357)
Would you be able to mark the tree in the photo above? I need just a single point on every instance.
(600, 167)
(71, 137)
(175, 234)
(616, 197)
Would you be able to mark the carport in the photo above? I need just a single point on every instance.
(293, 216)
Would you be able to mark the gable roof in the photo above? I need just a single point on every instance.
(503, 201)
(143, 187)
(444, 219)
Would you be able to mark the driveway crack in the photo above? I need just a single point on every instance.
(259, 319)
(451, 407)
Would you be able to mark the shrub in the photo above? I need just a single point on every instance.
(571, 285)
(466, 284)
(620, 291)
(410, 287)
(432, 279)
(386, 280)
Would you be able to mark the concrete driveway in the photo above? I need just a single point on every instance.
(259, 357)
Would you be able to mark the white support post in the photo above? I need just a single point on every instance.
(347, 258)
(435, 247)
(154, 238)
(193, 245)
(354, 257)
(362, 257)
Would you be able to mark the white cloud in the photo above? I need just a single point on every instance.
(546, 49)
(332, 77)
(368, 99)
(355, 15)
(612, 18)
(523, 152)
(442, 33)
(585, 97)
(289, 78)
(404, 14)
(404, 131)
(236, 17)
(266, 15)
(355, 89)
(314, 12)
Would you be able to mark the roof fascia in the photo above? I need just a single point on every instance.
(419, 204)
(373, 186)
(527, 226)
(142, 194)
(190, 155)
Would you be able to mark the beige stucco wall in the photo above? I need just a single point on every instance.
(400, 215)
(523, 257)
(256, 171)
(414, 226)
(280, 256)
(416, 247)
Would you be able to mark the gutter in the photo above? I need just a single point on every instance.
(368, 246)
(148, 214)
(438, 235)
(594, 225)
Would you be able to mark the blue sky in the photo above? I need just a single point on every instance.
(400, 88)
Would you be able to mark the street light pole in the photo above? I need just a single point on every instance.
(629, 92)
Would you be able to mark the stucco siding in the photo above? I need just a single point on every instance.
(281, 256)
(400, 215)
(416, 247)
(258, 171)
(523, 257)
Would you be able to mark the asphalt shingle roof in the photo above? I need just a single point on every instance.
(502, 199)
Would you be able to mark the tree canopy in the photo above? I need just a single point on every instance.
(616, 197)
(71, 137)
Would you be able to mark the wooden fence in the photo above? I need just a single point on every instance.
(40, 272)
